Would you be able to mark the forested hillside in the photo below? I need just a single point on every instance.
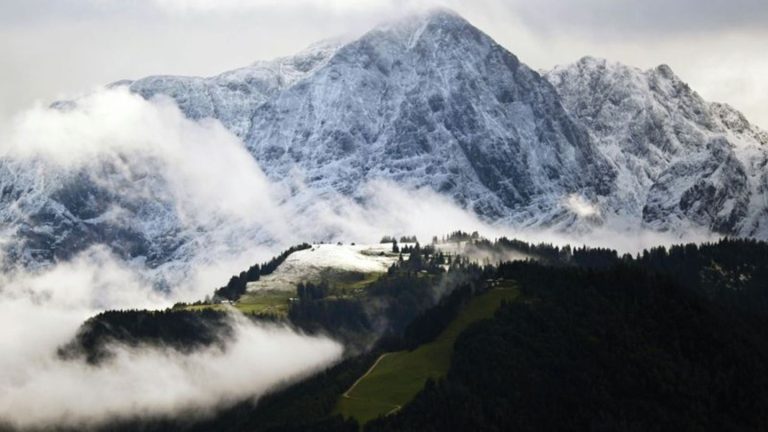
(672, 338)
(614, 350)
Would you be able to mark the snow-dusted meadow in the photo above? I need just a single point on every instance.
(310, 265)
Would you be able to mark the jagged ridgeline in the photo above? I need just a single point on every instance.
(428, 101)
(468, 333)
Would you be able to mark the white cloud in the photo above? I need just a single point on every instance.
(225, 203)
(41, 310)
(230, 216)
(228, 211)
(580, 206)
(215, 187)
(152, 382)
(201, 160)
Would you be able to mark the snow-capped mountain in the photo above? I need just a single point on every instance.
(425, 101)
(681, 161)
(428, 101)
(52, 213)
(234, 96)
(432, 101)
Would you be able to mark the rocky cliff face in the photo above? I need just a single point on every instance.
(427, 101)
(681, 162)
(432, 102)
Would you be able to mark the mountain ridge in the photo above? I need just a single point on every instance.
(637, 197)
(662, 133)
(374, 67)
(430, 101)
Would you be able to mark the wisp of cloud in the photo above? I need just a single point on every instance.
(194, 182)
(41, 310)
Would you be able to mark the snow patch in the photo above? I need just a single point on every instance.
(311, 264)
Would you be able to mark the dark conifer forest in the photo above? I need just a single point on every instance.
(670, 339)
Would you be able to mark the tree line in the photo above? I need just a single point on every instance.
(237, 284)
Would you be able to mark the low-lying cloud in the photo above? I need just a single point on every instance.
(41, 310)
(165, 175)
(191, 182)
(150, 381)
(198, 160)
(580, 206)
(200, 184)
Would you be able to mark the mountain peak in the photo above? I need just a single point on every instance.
(435, 18)
(432, 29)
(444, 18)
(441, 13)
(665, 71)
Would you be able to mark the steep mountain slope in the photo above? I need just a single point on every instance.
(62, 212)
(51, 214)
(72, 178)
(233, 96)
(681, 161)
(425, 101)
(431, 101)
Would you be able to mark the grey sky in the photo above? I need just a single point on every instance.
(646, 19)
(53, 48)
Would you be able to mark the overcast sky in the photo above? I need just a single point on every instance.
(55, 48)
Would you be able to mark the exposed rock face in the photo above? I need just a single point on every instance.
(681, 161)
(428, 101)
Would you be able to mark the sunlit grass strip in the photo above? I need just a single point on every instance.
(396, 378)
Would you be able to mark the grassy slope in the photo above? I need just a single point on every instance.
(276, 302)
(397, 377)
(267, 302)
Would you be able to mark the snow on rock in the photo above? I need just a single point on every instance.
(431, 101)
(681, 161)
(233, 96)
(426, 101)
